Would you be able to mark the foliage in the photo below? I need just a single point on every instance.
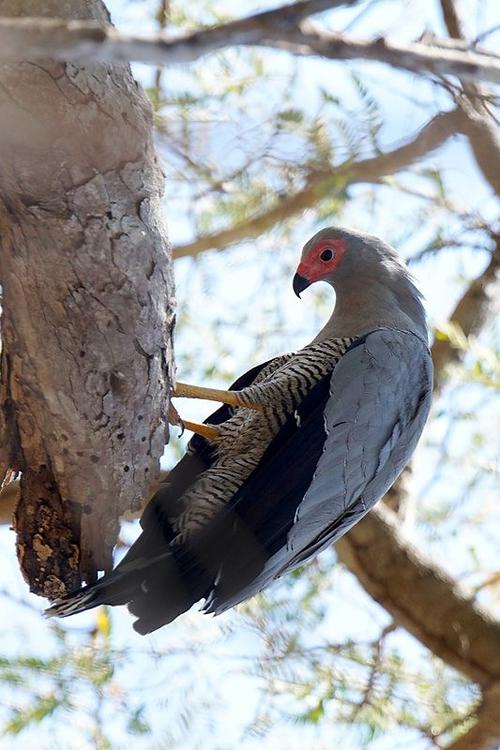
(314, 662)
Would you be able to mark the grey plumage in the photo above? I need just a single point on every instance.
(339, 421)
(380, 395)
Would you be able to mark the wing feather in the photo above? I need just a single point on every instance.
(368, 426)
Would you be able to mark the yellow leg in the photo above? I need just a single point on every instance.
(205, 430)
(185, 390)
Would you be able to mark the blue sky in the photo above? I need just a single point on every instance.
(220, 285)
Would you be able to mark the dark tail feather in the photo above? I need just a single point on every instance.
(72, 604)
(113, 589)
(155, 592)
(164, 595)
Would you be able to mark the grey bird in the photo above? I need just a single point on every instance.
(302, 448)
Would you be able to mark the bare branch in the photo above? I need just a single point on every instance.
(422, 597)
(327, 182)
(37, 38)
(473, 308)
(417, 57)
(485, 733)
(484, 137)
(470, 313)
(452, 19)
(478, 124)
(59, 39)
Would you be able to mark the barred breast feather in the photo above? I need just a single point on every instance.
(279, 387)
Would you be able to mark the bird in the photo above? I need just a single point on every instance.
(302, 447)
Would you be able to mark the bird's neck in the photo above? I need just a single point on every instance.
(364, 305)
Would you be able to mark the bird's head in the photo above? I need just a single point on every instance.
(334, 255)
(372, 283)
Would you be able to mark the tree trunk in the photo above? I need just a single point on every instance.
(88, 305)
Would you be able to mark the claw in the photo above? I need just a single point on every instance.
(205, 430)
(175, 419)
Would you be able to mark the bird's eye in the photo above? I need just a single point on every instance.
(326, 255)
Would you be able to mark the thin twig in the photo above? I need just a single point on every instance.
(328, 181)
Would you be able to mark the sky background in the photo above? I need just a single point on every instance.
(209, 659)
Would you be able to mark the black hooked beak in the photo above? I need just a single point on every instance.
(299, 284)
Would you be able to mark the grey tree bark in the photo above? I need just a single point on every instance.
(87, 304)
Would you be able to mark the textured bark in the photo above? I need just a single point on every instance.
(451, 19)
(85, 270)
(430, 604)
(9, 498)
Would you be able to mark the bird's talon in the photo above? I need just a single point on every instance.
(174, 418)
(208, 431)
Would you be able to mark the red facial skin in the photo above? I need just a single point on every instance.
(313, 268)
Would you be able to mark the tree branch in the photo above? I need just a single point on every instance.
(422, 597)
(472, 310)
(484, 137)
(452, 20)
(43, 38)
(327, 182)
(57, 38)
(471, 313)
(87, 317)
(485, 733)
(417, 57)
(9, 497)
(478, 125)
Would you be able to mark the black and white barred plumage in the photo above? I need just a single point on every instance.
(279, 386)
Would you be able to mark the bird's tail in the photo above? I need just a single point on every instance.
(111, 589)
(72, 604)
(154, 590)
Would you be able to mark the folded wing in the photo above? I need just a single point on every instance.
(354, 438)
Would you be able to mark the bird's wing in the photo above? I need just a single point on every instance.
(345, 446)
